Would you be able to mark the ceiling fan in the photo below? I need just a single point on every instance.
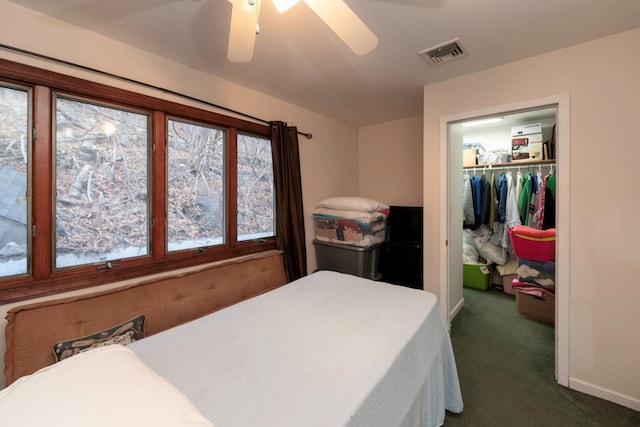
(335, 13)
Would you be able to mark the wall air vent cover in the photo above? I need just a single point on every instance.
(444, 52)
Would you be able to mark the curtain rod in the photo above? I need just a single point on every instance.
(308, 135)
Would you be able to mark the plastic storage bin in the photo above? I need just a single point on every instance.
(355, 260)
(348, 231)
(476, 276)
(537, 245)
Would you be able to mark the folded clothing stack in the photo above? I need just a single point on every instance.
(350, 220)
(537, 273)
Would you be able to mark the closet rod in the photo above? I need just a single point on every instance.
(307, 135)
(551, 162)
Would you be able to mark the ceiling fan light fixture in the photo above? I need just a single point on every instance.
(335, 13)
(284, 5)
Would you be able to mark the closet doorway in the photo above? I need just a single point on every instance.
(451, 217)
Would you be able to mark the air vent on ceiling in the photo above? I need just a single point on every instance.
(444, 52)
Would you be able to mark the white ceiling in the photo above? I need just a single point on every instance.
(299, 59)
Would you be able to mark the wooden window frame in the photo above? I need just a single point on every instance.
(43, 278)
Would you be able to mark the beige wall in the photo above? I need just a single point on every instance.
(390, 162)
(601, 78)
(328, 161)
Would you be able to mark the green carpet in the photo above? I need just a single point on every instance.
(506, 369)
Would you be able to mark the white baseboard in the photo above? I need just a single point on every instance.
(603, 393)
(456, 309)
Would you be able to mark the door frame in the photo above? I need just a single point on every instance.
(563, 236)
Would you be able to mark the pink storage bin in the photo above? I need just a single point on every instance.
(526, 245)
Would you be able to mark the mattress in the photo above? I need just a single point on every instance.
(327, 350)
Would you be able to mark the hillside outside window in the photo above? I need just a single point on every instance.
(195, 189)
(101, 183)
(14, 165)
(256, 202)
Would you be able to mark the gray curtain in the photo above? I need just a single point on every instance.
(290, 236)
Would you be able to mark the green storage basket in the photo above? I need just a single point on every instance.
(477, 276)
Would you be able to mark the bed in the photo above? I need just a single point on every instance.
(326, 350)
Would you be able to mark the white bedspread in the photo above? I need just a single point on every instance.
(327, 350)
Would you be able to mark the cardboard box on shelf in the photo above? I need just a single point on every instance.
(526, 129)
(469, 157)
(535, 150)
(536, 137)
(520, 148)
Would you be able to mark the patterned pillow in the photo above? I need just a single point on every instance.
(123, 333)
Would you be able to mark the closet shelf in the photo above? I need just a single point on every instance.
(517, 163)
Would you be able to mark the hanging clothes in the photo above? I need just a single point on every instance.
(468, 213)
(493, 205)
(525, 198)
(519, 182)
(501, 210)
(549, 220)
(533, 203)
(477, 200)
(512, 214)
(485, 200)
(539, 209)
(502, 198)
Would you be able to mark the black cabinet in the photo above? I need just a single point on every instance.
(401, 264)
(401, 256)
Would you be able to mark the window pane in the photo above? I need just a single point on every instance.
(195, 190)
(102, 201)
(14, 143)
(256, 204)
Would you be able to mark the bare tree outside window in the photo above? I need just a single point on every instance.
(195, 189)
(256, 202)
(101, 180)
(14, 158)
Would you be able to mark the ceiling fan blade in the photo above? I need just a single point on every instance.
(346, 24)
(242, 32)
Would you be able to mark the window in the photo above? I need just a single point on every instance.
(256, 201)
(101, 203)
(99, 184)
(14, 166)
(195, 195)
